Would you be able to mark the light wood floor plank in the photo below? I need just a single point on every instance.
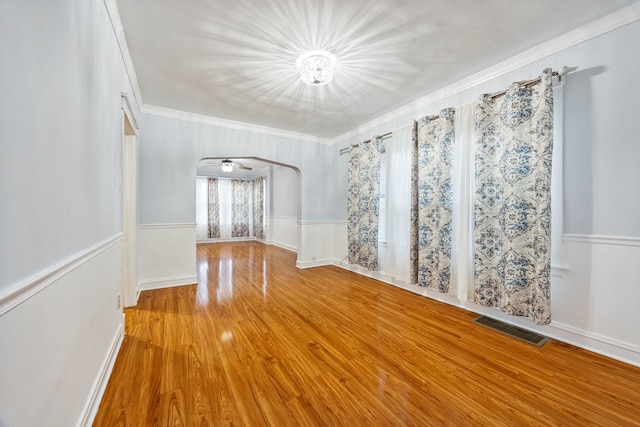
(260, 343)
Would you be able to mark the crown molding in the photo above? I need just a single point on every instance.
(231, 124)
(574, 37)
(116, 24)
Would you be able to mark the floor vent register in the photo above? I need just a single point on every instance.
(514, 331)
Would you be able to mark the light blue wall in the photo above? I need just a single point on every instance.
(600, 148)
(61, 79)
(601, 132)
(60, 130)
(170, 149)
(285, 192)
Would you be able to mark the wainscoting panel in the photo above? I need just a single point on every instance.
(283, 232)
(321, 243)
(166, 255)
(59, 343)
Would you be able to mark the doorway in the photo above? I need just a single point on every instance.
(129, 249)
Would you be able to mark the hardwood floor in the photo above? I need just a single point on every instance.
(259, 342)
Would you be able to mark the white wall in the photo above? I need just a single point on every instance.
(171, 263)
(594, 304)
(62, 76)
(284, 207)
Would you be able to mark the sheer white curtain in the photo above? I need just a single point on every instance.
(202, 191)
(397, 169)
(225, 208)
(557, 217)
(462, 254)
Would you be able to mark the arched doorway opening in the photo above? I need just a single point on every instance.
(282, 203)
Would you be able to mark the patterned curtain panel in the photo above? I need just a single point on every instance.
(512, 211)
(436, 140)
(213, 219)
(363, 201)
(414, 243)
(239, 208)
(258, 208)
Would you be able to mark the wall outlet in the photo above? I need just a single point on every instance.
(119, 303)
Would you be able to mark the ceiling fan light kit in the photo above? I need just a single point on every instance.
(229, 166)
(226, 166)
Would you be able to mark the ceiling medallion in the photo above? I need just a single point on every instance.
(316, 67)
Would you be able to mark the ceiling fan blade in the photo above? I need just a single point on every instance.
(237, 166)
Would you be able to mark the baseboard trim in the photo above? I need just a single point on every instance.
(596, 343)
(290, 248)
(315, 263)
(166, 282)
(22, 291)
(231, 240)
(100, 385)
(611, 342)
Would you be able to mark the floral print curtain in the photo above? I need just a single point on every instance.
(512, 212)
(436, 143)
(363, 201)
(258, 208)
(240, 208)
(213, 217)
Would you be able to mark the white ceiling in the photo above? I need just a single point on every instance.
(236, 59)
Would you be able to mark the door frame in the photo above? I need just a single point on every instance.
(129, 208)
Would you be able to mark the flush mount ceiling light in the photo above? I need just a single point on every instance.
(316, 67)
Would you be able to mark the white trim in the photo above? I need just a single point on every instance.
(232, 240)
(292, 218)
(579, 35)
(167, 225)
(578, 337)
(126, 106)
(116, 24)
(290, 248)
(559, 270)
(97, 390)
(597, 337)
(574, 37)
(320, 222)
(230, 124)
(166, 282)
(25, 289)
(602, 240)
(316, 263)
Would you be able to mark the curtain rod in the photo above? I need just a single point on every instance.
(559, 74)
(347, 149)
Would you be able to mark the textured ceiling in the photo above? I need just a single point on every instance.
(236, 59)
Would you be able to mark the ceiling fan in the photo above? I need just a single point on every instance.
(229, 165)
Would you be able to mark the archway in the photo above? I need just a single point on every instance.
(282, 195)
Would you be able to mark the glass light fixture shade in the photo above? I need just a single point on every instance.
(226, 166)
(316, 67)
